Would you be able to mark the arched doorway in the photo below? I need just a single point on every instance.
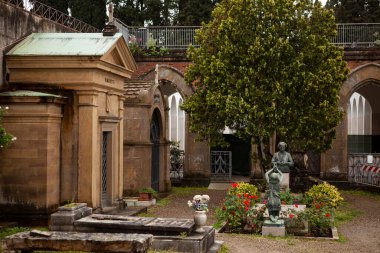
(339, 161)
(155, 140)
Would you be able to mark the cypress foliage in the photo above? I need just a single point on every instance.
(92, 12)
(61, 5)
(355, 11)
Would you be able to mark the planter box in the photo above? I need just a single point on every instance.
(145, 196)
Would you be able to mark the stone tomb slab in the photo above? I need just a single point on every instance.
(73, 241)
(130, 224)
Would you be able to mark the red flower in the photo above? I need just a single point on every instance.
(246, 202)
(283, 202)
(239, 195)
(328, 215)
(291, 216)
(255, 197)
(246, 208)
(265, 201)
(234, 185)
(296, 205)
(318, 206)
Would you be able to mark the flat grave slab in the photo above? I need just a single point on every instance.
(73, 241)
(123, 224)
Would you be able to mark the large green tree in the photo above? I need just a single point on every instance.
(92, 12)
(267, 67)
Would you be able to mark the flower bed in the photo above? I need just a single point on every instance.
(244, 212)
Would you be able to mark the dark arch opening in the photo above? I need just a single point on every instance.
(155, 140)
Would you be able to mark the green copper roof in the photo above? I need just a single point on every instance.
(27, 93)
(64, 44)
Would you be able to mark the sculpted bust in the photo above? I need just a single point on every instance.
(282, 158)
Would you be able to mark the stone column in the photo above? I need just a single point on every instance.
(120, 144)
(89, 148)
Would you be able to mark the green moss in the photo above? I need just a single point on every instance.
(4, 232)
(373, 195)
(344, 214)
(181, 191)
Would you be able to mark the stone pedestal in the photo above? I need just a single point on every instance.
(273, 229)
(285, 182)
(64, 218)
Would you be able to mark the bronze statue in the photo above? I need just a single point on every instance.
(282, 158)
(274, 177)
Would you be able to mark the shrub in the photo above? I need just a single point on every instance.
(324, 194)
(5, 138)
(241, 198)
(320, 218)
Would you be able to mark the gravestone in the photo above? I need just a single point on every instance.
(63, 219)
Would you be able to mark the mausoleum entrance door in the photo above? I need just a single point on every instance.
(106, 170)
(155, 139)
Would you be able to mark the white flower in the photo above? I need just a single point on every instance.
(190, 203)
(14, 138)
(204, 199)
(6, 108)
(197, 197)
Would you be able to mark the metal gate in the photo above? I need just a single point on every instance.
(104, 173)
(155, 139)
(221, 164)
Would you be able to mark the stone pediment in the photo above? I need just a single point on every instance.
(120, 55)
(76, 61)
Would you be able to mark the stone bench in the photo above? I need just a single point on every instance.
(72, 241)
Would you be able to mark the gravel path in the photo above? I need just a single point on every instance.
(362, 234)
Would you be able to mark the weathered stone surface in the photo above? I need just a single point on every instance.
(72, 207)
(89, 242)
(273, 229)
(116, 223)
(195, 242)
(68, 217)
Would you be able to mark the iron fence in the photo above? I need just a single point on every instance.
(357, 35)
(221, 164)
(52, 14)
(180, 37)
(176, 166)
(360, 172)
(171, 37)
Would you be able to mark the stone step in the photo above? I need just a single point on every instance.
(216, 247)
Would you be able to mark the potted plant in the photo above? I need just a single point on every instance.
(200, 206)
(146, 193)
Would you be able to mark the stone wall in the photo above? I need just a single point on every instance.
(16, 23)
(34, 157)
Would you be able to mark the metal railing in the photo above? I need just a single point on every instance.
(221, 165)
(356, 35)
(360, 172)
(52, 14)
(171, 37)
(180, 37)
(176, 166)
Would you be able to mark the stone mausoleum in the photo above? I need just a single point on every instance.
(68, 98)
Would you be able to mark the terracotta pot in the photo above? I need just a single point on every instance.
(144, 196)
(200, 219)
